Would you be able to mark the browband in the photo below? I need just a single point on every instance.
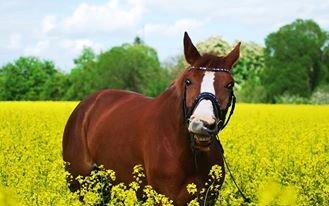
(214, 69)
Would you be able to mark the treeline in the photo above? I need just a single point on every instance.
(134, 67)
(292, 68)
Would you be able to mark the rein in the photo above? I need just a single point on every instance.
(220, 115)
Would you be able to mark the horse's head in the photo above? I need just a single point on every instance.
(207, 91)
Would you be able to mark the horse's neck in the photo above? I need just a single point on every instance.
(171, 112)
(173, 136)
(174, 133)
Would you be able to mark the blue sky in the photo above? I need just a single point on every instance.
(58, 30)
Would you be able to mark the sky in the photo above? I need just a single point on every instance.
(59, 30)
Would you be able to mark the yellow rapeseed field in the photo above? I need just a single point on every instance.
(279, 154)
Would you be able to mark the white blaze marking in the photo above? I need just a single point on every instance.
(204, 110)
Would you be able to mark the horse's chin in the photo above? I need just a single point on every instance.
(202, 143)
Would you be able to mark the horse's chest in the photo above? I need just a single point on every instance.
(170, 162)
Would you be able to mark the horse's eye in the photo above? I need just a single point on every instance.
(188, 82)
(230, 85)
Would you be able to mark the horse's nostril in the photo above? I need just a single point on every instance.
(210, 126)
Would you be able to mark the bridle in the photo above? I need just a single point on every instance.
(220, 114)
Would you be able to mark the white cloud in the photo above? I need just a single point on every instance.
(61, 50)
(61, 38)
(183, 7)
(91, 18)
(75, 46)
(265, 15)
(38, 49)
(255, 13)
(174, 29)
(14, 41)
(48, 23)
(68, 46)
(38, 30)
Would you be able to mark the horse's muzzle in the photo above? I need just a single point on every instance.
(202, 128)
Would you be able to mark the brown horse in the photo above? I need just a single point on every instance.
(171, 136)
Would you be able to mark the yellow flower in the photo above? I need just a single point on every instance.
(191, 188)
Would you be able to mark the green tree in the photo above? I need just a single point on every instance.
(82, 79)
(175, 65)
(138, 40)
(55, 88)
(295, 60)
(214, 45)
(133, 67)
(25, 79)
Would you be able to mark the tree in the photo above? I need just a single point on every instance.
(82, 79)
(295, 60)
(214, 45)
(133, 67)
(138, 40)
(25, 79)
(55, 88)
(174, 65)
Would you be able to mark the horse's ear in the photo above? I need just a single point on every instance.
(190, 51)
(233, 56)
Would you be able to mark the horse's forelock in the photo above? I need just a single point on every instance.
(211, 60)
